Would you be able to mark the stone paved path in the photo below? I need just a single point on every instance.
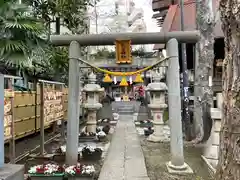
(125, 160)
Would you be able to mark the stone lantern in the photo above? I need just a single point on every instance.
(92, 104)
(157, 105)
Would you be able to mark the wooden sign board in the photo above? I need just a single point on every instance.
(123, 52)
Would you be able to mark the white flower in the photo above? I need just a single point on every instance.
(101, 134)
(88, 169)
(48, 169)
(99, 128)
(63, 149)
(91, 149)
(33, 169)
(105, 120)
(70, 170)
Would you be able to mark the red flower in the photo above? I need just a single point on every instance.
(78, 170)
(60, 169)
(40, 170)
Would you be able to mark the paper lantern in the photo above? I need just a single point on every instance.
(107, 79)
(123, 82)
(138, 79)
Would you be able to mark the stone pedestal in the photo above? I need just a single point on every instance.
(212, 146)
(91, 118)
(158, 124)
(12, 172)
(210, 155)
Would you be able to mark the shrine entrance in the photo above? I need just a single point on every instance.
(123, 54)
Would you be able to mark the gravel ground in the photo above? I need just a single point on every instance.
(28, 143)
(157, 154)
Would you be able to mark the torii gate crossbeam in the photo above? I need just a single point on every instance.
(136, 38)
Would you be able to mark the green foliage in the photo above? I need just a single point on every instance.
(20, 35)
(71, 11)
(138, 52)
(23, 33)
(165, 116)
(71, 14)
(104, 53)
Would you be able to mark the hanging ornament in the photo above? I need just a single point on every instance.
(138, 79)
(130, 80)
(115, 79)
(107, 79)
(123, 82)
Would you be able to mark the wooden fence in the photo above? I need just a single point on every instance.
(23, 108)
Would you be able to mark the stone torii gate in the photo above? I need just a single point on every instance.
(177, 163)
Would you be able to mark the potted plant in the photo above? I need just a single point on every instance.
(91, 153)
(146, 123)
(106, 129)
(87, 136)
(101, 136)
(60, 153)
(46, 172)
(103, 122)
(80, 172)
(148, 131)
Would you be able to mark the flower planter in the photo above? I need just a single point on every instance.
(87, 138)
(46, 177)
(80, 172)
(94, 156)
(148, 132)
(81, 177)
(46, 172)
(148, 124)
(102, 138)
(61, 157)
(103, 124)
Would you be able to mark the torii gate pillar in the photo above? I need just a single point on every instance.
(73, 104)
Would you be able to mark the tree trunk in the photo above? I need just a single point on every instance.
(205, 51)
(229, 152)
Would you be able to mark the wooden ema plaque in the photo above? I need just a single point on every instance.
(8, 94)
(53, 107)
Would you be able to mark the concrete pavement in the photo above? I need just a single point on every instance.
(125, 160)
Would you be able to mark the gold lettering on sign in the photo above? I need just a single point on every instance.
(123, 52)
